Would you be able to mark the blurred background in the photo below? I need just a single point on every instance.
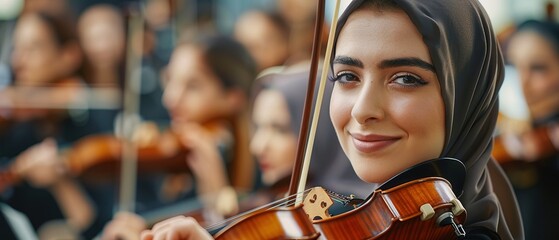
(80, 77)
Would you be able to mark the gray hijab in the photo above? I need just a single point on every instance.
(469, 66)
(329, 167)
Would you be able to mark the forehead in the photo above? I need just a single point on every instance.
(528, 44)
(271, 106)
(31, 26)
(186, 57)
(371, 32)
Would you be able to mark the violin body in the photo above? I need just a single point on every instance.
(285, 223)
(395, 214)
(419, 209)
(99, 156)
(538, 147)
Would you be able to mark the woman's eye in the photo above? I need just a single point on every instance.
(281, 128)
(409, 80)
(542, 68)
(344, 77)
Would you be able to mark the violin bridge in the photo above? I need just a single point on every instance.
(316, 204)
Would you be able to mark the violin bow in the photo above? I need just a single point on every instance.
(306, 138)
(128, 174)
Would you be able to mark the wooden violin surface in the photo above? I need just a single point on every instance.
(538, 147)
(396, 214)
(100, 156)
(284, 223)
(425, 207)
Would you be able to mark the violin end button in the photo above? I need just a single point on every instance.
(427, 211)
(457, 207)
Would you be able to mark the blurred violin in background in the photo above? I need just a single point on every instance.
(533, 145)
(98, 158)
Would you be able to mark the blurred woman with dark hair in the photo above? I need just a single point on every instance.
(45, 61)
(534, 51)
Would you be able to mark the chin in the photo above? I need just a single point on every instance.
(365, 173)
(269, 179)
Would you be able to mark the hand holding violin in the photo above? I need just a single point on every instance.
(176, 228)
(41, 164)
(203, 157)
(125, 226)
(533, 145)
(205, 163)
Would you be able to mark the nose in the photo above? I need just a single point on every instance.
(17, 59)
(368, 105)
(171, 97)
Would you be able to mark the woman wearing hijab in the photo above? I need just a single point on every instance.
(414, 81)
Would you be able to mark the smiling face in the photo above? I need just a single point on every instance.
(274, 143)
(386, 106)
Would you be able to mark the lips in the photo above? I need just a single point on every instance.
(264, 166)
(370, 143)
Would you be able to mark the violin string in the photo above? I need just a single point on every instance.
(286, 201)
(283, 202)
(339, 197)
(275, 204)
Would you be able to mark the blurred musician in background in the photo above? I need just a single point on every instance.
(532, 156)
(266, 36)
(206, 93)
(45, 61)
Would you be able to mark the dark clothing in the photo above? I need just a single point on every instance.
(39, 204)
(5, 230)
(535, 186)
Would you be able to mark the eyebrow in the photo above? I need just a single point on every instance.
(345, 60)
(411, 61)
(397, 62)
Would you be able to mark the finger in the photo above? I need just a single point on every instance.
(131, 219)
(164, 224)
(146, 235)
(186, 228)
(49, 142)
(128, 233)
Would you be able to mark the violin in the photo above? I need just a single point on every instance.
(48, 104)
(540, 146)
(529, 145)
(423, 208)
(98, 157)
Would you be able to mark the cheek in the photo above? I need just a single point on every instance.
(192, 105)
(291, 151)
(423, 121)
(37, 63)
(340, 110)
(284, 150)
(285, 157)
